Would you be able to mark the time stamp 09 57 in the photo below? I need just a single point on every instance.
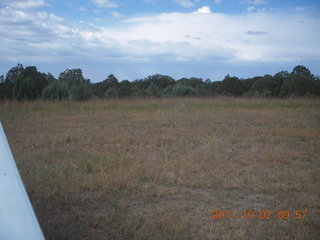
(263, 214)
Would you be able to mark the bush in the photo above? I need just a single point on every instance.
(25, 88)
(230, 86)
(81, 92)
(298, 85)
(29, 84)
(183, 91)
(266, 86)
(112, 92)
(56, 90)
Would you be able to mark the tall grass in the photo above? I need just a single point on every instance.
(157, 168)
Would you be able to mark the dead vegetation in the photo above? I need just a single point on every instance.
(157, 168)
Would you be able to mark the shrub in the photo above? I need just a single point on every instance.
(298, 85)
(81, 92)
(183, 91)
(56, 90)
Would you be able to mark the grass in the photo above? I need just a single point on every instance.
(157, 168)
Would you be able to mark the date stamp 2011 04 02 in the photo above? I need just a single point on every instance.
(263, 214)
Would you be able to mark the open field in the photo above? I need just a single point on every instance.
(157, 168)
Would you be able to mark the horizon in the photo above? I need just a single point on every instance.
(206, 39)
(175, 79)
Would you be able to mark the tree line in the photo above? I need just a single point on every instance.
(29, 84)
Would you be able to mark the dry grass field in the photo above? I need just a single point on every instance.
(158, 168)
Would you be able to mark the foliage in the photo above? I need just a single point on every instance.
(266, 86)
(27, 83)
(298, 85)
(160, 81)
(56, 90)
(190, 82)
(6, 87)
(302, 71)
(72, 77)
(180, 90)
(99, 89)
(81, 92)
(112, 92)
(231, 86)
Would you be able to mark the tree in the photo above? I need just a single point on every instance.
(100, 88)
(72, 77)
(112, 92)
(231, 86)
(266, 86)
(2, 87)
(29, 84)
(50, 78)
(317, 86)
(154, 90)
(81, 92)
(159, 81)
(112, 81)
(180, 90)
(24, 88)
(11, 77)
(190, 82)
(125, 89)
(56, 90)
(302, 71)
(298, 85)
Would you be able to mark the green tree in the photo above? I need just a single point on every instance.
(24, 88)
(112, 92)
(2, 87)
(180, 90)
(190, 82)
(300, 82)
(266, 86)
(298, 85)
(11, 77)
(159, 81)
(154, 90)
(302, 71)
(231, 86)
(100, 88)
(29, 84)
(72, 77)
(56, 90)
(81, 92)
(124, 89)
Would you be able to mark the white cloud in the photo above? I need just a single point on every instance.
(116, 14)
(254, 2)
(105, 3)
(254, 37)
(251, 8)
(205, 10)
(82, 9)
(185, 3)
(23, 4)
(262, 37)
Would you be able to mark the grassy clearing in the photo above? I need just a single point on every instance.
(157, 168)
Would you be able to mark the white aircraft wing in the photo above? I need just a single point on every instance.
(17, 218)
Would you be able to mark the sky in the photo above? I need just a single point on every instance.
(133, 39)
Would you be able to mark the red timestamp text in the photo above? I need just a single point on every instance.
(263, 214)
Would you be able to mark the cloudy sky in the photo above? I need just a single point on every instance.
(181, 38)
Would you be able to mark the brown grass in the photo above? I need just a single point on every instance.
(157, 168)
